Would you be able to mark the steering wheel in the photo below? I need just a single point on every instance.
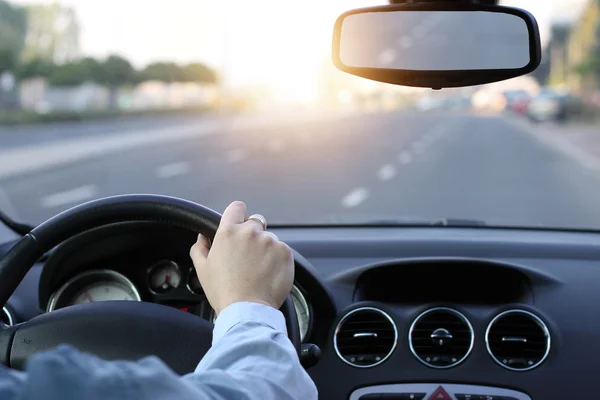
(113, 329)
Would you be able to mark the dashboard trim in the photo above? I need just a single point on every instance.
(345, 317)
(307, 307)
(538, 320)
(122, 278)
(455, 391)
(188, 280)
(450, 310)
(9, 316)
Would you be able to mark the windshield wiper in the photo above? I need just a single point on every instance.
(18, 227)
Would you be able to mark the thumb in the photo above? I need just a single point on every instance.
(199, 251)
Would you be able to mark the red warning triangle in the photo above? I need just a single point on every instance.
(440, 394)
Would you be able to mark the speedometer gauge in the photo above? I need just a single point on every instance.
(104, 291)
(93, 286)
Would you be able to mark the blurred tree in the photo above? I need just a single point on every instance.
(35, 68)
(13, 29)
(8, 60)
(162, 71)
(590, 67)
(52, 33)
(117, 71)
(93, 70)
(170, 72)
(200, 73)
(89, 69)
(68, 74)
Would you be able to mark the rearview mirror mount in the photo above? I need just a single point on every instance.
(437, 45)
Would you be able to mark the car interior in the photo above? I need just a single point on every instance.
(442, 312)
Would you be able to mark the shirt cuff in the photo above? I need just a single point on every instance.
(237, 313)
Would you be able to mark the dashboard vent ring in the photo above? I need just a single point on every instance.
(517, 340)
(441, 337)
(365, 337)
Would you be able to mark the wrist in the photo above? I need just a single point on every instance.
(218, 310)
(250, 313)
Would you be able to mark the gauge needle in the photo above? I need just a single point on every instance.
(167, 278)
(88, 297)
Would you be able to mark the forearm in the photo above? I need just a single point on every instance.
(253, 358)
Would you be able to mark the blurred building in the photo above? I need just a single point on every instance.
(573, 45)
(36, 95)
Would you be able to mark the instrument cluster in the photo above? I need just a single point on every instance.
(165, 283)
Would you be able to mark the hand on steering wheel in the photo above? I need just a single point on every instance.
(244, 263)
(131, 330)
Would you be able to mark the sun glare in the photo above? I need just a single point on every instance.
(279, 46)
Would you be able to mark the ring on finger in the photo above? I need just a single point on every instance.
(260, 219)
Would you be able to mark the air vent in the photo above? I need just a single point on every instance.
(365, 337)
(518, 340)
(441, 337)
(6, 317)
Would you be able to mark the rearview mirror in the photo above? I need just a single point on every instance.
(437, 45)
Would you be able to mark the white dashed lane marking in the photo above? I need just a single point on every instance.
(386, 172)
(355, 197)
(71, 196)
(172, 170)
(404, 158)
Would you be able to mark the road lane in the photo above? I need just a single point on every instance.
(298, 174)
(490, 169)
(367, 167)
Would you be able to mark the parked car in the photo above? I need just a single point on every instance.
(553, 105)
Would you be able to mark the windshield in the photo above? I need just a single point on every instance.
(216, 101)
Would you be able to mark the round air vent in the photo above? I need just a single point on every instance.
(441, 337)
(518, 340)
(7, 317)
(365, 337)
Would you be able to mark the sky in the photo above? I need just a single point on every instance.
(280, 41)
(251, 38)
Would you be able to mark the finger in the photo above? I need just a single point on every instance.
(234, 214)
(200, 249)
(274, 236)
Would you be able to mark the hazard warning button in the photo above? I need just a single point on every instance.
(440, 394)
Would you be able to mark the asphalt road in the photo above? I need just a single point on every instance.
(394, 165)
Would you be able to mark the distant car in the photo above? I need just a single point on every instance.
(553, 106)
(516, 101)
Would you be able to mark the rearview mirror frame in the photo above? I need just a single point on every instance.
(441, 79)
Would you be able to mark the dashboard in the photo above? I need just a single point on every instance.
(398, 313)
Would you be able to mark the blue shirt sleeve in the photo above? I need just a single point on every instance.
(251, 358)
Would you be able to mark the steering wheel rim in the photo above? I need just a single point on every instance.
(111, 321)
